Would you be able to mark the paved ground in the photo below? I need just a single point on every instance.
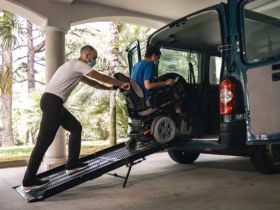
(213, 182)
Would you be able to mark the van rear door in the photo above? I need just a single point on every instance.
(260, 46)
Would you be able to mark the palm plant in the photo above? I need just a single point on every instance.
(10, 28)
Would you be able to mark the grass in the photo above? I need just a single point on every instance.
(23, 152)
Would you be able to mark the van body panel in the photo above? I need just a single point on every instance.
(264, 100)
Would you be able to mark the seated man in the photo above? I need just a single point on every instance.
(143, 72)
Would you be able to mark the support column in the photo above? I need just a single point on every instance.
(55, 57)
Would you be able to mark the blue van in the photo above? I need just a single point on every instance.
(229, 56)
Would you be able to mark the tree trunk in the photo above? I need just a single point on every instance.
(6, 133)
(112, 67)
(113, 123)
(30, 59)
(32, 50)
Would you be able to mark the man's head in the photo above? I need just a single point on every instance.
(153, 53)
(88, 54)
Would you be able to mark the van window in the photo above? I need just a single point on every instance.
(215, 65)
(261, 29)
(177, 61)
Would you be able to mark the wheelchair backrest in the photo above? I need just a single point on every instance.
(135, 97)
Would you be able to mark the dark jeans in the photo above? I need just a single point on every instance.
(54, 115)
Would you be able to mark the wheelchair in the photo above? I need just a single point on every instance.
(154, 119)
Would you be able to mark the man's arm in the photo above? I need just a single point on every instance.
(104, 78)
(153, 85)
(95, 84)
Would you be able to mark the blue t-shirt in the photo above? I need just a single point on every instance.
(143, 70)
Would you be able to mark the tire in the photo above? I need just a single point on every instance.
(163, 129)
(184, 157)
(266, 159)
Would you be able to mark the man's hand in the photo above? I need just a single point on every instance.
(125, 86)
(169, 82)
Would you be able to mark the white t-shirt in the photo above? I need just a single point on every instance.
(66, 78)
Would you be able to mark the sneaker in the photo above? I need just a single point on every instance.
(33, 184)
(77, 167)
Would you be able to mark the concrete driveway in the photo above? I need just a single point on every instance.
(212, 182)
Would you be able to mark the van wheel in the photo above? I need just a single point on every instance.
(266, 159)
(181, 156)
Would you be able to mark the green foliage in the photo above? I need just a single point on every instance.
(23, 151)
(90, 107)
(122, 120)
(76, 38)
(128, 34)
(19, 74)
(178, 62)
(11, 30)
(100, 128)
(26, 120)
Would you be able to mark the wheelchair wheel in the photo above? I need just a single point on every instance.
(163, 129)
(130, 145)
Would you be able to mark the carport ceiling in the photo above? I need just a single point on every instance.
(64, 13)
(161, 8)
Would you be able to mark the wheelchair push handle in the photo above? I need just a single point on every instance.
(123, 87)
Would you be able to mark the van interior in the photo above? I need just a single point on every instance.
(190, 47)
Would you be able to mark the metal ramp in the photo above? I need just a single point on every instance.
(100, 163)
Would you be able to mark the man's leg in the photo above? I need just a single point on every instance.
(49, 125)
(71, 124)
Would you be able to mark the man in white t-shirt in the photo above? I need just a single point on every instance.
(63, 82)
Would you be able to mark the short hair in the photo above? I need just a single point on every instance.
(87, 48)
(152, 50)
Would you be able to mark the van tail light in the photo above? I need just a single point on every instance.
(227, 97)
